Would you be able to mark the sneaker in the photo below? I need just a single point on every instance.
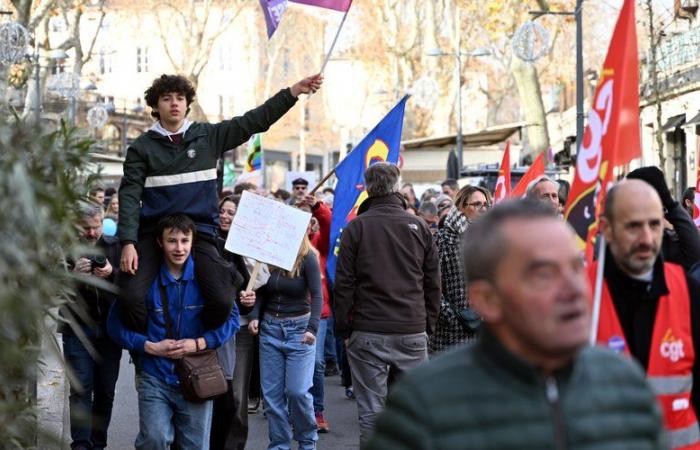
(331, 369)
(321, 424)
(349, 393)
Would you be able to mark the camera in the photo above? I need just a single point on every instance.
(97, 261)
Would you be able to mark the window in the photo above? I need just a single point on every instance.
(225, 58)
(105, 61)
(142, 59)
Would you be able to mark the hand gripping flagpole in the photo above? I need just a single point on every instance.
(335, 39)
(597, 295)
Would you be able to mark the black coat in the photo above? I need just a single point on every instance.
(90, 307)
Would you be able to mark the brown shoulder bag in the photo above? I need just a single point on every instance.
(200, 373)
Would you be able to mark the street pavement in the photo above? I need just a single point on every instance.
(341, 414)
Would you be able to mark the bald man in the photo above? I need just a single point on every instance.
(650, 309)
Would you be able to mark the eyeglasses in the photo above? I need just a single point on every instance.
(479, 205)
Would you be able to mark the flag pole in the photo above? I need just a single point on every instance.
(335, 39)
(597, 295)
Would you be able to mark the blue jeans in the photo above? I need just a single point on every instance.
(286, 375)
(329, 350)
(164, 414)
(91, 402)
(319, 367)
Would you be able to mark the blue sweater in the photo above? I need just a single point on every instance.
(185, 304)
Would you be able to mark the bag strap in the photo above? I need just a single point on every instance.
(166, 311)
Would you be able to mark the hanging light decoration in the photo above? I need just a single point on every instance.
(531, 41)
(14, 39)
(97, 116)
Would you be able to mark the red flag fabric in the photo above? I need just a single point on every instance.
(612, 135)
(535, 171)
(502, 190)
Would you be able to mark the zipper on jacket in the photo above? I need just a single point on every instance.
(179, 314)
(552, 393)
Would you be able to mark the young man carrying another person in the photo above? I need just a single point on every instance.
(172, 169)
(164, 414)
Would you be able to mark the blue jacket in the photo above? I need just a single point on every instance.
(185, 305)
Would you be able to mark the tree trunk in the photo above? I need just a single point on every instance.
(528, 83)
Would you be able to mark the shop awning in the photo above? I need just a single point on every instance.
(483, 138)
(674, 122)
(695, 120)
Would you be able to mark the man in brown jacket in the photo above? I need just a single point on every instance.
(387, 291)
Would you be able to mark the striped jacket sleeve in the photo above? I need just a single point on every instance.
(130, 190)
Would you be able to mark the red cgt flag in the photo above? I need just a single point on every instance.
(502, 190)
(535, 171)
(612, 135)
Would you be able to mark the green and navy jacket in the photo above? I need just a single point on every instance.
(161, 177)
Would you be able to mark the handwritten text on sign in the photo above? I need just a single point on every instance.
(267, 231)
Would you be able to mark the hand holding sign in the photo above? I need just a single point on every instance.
(267, 231)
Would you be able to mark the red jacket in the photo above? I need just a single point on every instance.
(321, 242)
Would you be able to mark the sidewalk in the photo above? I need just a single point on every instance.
(52, 398)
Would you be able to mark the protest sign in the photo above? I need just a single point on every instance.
(267, 231)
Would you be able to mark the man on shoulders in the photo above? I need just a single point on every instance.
(172, 169)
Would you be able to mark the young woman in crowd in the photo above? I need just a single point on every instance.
(229, 430)
(470, 203)
(287, 316)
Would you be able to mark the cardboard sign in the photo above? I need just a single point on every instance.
(267, 231)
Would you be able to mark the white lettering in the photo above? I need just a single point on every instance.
(672, 350)
(590, 156)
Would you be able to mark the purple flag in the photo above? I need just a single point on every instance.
(273, 10)
(338, 5)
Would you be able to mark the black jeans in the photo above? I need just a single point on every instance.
(91, 402)
(229, 425)
(218, 282)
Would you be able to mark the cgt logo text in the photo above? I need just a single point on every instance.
(671, 347)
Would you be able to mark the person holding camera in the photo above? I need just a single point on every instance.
(95, 374)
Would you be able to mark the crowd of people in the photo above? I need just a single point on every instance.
(416, 279)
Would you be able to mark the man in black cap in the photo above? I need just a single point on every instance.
(299, 188)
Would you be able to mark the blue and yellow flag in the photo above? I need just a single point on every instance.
(381, 144)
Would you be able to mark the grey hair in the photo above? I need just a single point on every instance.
(90, 209)
(382, 178)
(486, 245)
(529, 192)
(428, 208)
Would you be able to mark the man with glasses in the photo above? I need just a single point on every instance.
(299, 189)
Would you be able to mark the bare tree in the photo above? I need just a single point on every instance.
(189, 29)
(654, 38)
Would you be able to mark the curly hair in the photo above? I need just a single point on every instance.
(166, 84)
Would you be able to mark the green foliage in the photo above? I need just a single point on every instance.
(42, 176)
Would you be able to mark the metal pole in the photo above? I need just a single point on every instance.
(37, 83)
(597, 294)
(579, 74)
(459, 94)
(124, 125)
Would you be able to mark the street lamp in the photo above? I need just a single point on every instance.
(457, 55)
